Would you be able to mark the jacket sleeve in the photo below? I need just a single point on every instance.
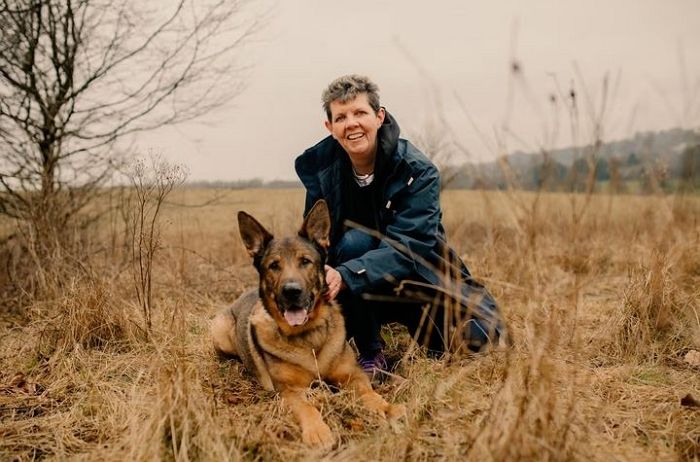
(409, 238)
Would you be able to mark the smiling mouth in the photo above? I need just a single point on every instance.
(296, 312)
(355, 136)
(296, 316)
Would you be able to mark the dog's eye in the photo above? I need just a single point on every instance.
(274, 266)
(305, 261)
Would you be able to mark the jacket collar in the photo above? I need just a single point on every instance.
(388, 136)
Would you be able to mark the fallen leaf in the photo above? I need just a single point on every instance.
(232, 399)
(689, 401)
(693, 358)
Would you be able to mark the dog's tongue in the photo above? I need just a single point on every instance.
(295, 317)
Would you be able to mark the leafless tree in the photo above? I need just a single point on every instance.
(76, 76)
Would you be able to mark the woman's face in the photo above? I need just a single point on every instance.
(355, 124)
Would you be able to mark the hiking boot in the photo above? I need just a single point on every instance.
(373, 364)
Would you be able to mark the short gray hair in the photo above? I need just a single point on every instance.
(346, 88)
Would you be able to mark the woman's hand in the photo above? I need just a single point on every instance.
(334, 281)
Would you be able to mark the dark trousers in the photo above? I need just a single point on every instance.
(424, 312)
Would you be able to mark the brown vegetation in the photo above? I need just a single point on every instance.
(601, 293)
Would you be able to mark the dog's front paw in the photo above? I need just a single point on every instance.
(318, 434)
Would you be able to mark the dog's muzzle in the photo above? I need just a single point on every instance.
(295, 303)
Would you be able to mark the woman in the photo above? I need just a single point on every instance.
(384, 199)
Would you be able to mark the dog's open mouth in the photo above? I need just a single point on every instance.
(296, 316)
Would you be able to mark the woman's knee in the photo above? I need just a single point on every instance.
(353, 244)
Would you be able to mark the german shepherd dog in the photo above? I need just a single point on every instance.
(285, 332)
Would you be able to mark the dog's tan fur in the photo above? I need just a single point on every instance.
(288, 358)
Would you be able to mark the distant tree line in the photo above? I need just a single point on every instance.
(246, 184)
(666, 161)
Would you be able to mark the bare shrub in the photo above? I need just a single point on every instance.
(151, 185)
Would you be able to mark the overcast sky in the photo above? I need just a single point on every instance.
(449, 51)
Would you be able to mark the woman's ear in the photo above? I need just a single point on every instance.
(381, 113)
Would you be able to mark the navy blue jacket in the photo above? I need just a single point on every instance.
(414, 244)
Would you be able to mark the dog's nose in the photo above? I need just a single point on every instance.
(291, 290)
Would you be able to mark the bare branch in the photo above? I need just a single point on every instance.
(78, 75)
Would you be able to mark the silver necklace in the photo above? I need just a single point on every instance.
(363, 180)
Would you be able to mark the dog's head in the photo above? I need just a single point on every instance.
(292, 276)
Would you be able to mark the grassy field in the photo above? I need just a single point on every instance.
(602, 294)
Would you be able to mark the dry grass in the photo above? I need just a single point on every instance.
(602, 297)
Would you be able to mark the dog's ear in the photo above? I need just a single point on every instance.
(317, 225)
(254, 235)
